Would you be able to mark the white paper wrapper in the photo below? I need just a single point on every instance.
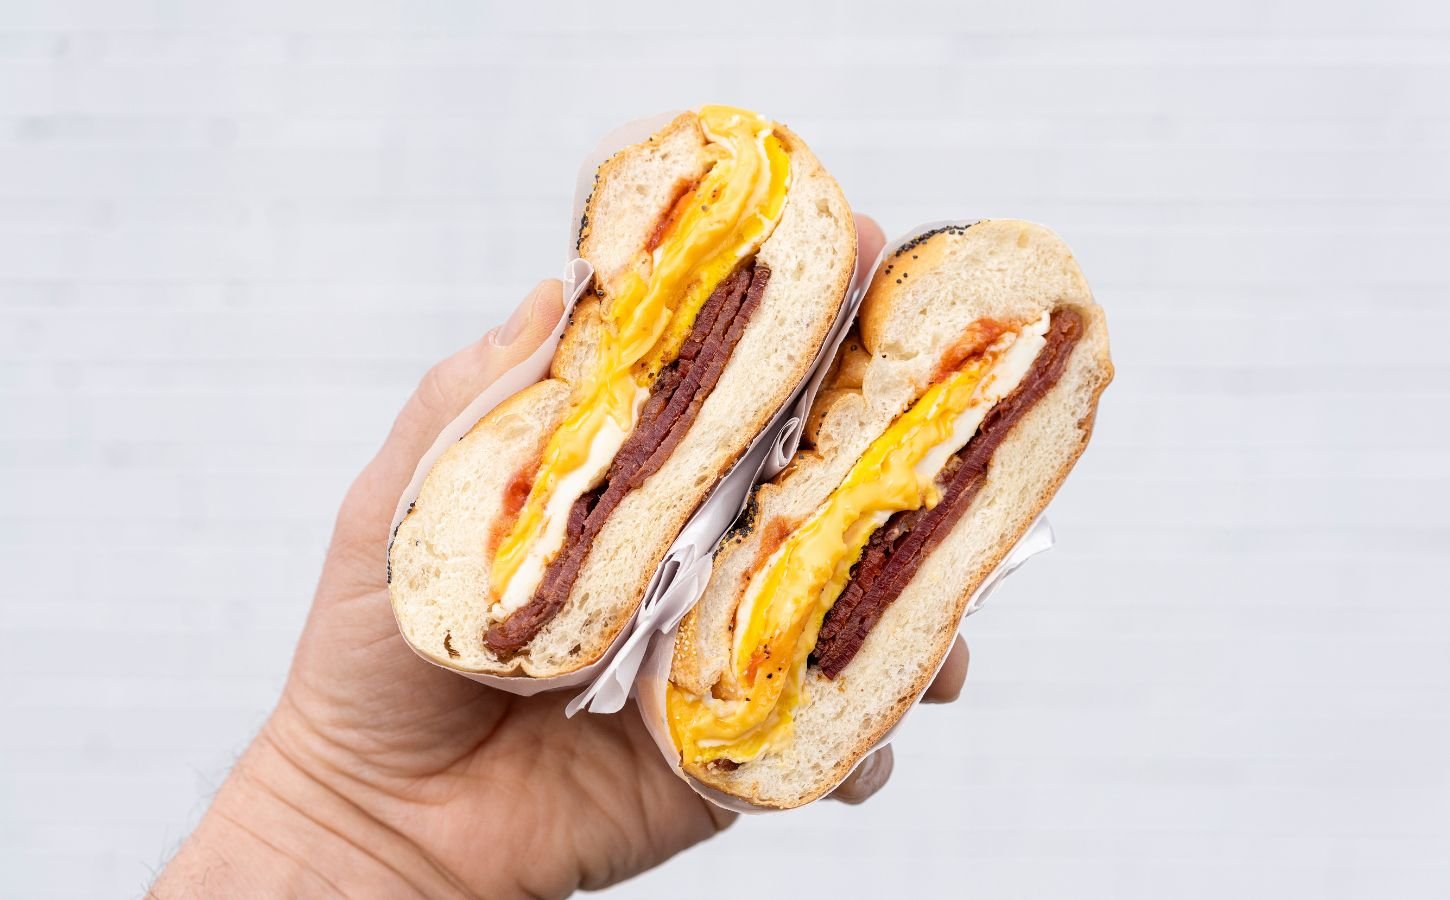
(654, 672)
(678, 574)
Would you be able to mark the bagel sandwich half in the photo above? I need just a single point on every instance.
(954, 411)
(722, 251)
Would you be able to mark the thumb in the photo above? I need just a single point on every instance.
(442, 394)
(453, 383)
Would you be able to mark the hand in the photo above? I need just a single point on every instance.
(381, 774)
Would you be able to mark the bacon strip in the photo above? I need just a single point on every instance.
(894, 553)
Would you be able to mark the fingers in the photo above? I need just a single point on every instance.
(867, 779)
(869, 241)
(453, 383)
(530, 324)
(947, 686)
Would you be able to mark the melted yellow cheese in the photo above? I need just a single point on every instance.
(722, 221)
(786, 600)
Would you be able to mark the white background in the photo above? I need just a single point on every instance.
(233, 235)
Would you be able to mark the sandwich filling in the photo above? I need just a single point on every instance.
(674, 401)
(818, 594)
(656, 310)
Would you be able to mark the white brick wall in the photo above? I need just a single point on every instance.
(233, 234)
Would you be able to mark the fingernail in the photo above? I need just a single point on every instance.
(518, 321)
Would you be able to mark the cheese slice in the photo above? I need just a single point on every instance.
(720, 223)
(786, 600)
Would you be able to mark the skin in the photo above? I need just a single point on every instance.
(379, 774)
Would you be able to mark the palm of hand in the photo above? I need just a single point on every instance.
(467, 773)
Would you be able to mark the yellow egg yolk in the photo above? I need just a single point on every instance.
(721, 222)
(784, 603)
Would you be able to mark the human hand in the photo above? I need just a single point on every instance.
(381, 774)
